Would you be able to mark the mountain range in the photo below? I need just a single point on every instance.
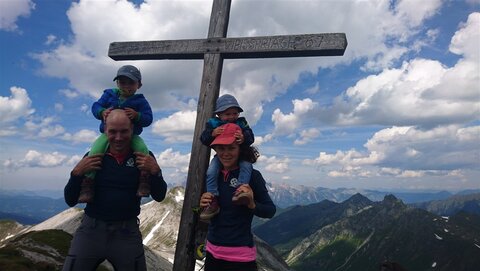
(359, 234)
(32, 207)
(354, 234)
(45, 245)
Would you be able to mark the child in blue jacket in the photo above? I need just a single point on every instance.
(228, 111)
(138, 110)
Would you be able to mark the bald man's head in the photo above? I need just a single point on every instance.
(119, 131)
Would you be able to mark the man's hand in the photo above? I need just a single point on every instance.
(132, 114)
(87, 164)
(147, 163)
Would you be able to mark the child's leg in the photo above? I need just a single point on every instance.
(245, 173)
(240, 198)
(138, 145)
(212, 187)
(98, 147)
(212, 175)
(87, 190)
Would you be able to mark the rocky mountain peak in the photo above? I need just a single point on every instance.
(391, 201)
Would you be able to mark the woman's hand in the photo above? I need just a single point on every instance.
(206, 199)
(245, 188)
(239, 138)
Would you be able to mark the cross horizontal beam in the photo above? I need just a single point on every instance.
(329, 44)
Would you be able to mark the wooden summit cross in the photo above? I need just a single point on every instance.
(213, 50)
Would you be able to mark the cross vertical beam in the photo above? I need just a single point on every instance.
(209, 90)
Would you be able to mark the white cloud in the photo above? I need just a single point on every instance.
(307, 136)
(51, 131)
(82, 136)
(43, 127)
(259, 140)
(50, 39)
(466, 40)
(288, 124)
(177, 127)
(174, 159)
(408, 152)
(10, 11)
(16, 106)
(8, 131)
(373, 29)
(85, 108)
(68, 93)
(420, 92)
(34, 158)
(273, 164)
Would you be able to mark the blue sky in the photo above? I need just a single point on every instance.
(400, 110)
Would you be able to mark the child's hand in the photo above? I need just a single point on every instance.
(239, 137)
(217, 131)
(132, 114)
(105, 113)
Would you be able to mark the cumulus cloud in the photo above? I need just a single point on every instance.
(177, 127)
(43, 127)
(82, 136)
(10, 11)
(34, 158)
(286, 124)
(274, 164)
(307, 136)
(68, 93)
(50, 39)
(16, 106)
(408, 152)
(372, 28)
(174, 159)
(421, 92)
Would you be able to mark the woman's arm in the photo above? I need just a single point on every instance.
(264, 206)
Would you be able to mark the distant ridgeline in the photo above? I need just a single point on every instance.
(32, 208)
(350, 235)
(359, 234)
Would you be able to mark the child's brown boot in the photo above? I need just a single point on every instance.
(87, 191)
(212, 210)
(241, 199)
(144, 184)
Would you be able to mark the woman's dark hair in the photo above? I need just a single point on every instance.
(249, 154)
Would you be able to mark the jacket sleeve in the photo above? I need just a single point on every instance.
(265, 207)
(72, 189)
(158, 186)
(146, 115)
(206, 137)
(99, 106)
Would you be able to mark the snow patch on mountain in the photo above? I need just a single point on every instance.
(154, 229)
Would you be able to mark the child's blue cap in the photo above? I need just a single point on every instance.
(225, 102)
(129, 71)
